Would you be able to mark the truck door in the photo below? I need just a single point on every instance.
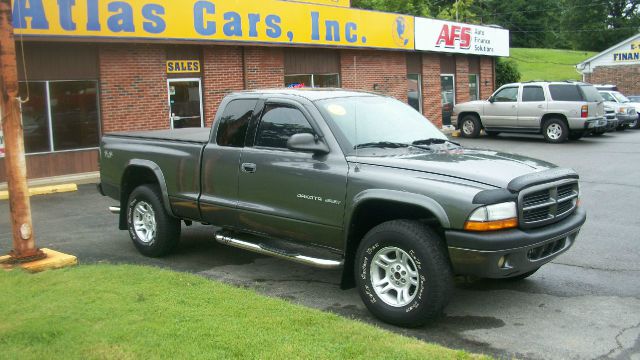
(532, 107)
(290, 195)
(503, 111)
(220, 163)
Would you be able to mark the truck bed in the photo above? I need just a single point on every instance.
(191, 135)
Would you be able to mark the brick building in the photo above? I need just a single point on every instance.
(619, 65)
(87, 75)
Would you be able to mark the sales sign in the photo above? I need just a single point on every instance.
(452, 37)
(256, 21)
(183, 66)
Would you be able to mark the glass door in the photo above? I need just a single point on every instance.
(447, 90)
(185, 103)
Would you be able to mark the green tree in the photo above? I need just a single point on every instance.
(506, 72)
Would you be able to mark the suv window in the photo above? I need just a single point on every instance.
(607, 97)
(532, 93)
(565, 92)
(509, 94)
(234, 122)
(590, 93)
(278, 124)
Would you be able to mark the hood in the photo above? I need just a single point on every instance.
(483, 166)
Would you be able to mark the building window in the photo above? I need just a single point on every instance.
(474, 88)
(60, 115)
(415, 91)
(312, 81)
(448, 96)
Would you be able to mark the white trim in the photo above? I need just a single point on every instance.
(169, 81)
(581, 66)
(49, 116)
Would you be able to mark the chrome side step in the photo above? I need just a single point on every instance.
(283, 254)
(114, 209)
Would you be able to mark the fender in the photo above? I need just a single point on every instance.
(159, 175)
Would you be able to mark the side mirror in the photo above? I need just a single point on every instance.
(307, 143)
(492, 99)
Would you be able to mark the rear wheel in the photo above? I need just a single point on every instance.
(154, 232)
(470, 126)
(555, 130)
(403, 273)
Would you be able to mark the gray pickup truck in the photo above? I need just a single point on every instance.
(346, 180)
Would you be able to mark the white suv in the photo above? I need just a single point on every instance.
(559, 110)
(626, 110)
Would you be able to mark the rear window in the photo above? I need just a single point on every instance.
(565, 92)
(590, 93)
(234, 122)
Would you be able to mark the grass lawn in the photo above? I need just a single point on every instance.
(549, 64)
(132, 312)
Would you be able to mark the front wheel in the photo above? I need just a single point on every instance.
(403, 273)
(154, 232)
(555, 131)
(635, 124)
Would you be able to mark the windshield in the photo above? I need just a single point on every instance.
(621, 98)
(590, 93)
(379, 120)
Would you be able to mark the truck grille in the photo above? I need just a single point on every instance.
(546, 250)
(548, 203)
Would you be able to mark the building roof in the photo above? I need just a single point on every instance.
(581, 66)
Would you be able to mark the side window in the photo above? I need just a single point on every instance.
(607, 97)
(278, 124)
(565, 93)
(532, 93)
(509, 94)
(234, 123)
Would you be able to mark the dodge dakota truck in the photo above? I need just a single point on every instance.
(346, 180)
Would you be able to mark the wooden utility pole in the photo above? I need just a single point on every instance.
(24, 245)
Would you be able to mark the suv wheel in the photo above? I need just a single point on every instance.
(403, 273)
(635, 124)
(154, 232)
(555, 131)
(470, 126)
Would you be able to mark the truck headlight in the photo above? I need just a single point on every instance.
(493, 217)
(622, 110)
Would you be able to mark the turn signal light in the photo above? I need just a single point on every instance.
(491, 225)
(584, 112)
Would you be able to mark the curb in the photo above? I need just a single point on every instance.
(79, 179)
(44, 190)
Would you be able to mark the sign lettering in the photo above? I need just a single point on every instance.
(257, 21)
(183, 66)
(452, 37)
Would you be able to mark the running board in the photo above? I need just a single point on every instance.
(279, 253)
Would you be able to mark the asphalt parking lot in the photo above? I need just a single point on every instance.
(586, 304)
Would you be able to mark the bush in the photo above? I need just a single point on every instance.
(506, 72)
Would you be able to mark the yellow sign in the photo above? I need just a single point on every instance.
(257, 21)
(343, 3)
(183, 66)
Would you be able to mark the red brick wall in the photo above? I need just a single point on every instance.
(222, 74)
(487, 83)
(431, 97)
(384, 72)
(462, 79)
(624, 76)
(264, 67)
(133, 87)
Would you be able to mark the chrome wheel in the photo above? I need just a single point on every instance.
(144, 222)
(554, 131)
(468, 127)
(394, 276)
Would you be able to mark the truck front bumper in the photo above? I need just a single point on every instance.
(504, 254)
(626, 119)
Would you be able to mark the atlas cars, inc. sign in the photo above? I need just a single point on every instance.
(452, 37)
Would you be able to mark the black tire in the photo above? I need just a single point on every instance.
(433, 277)
(167, 228)
(521, 276)
(635, 124)
(492, 133)
(555, 131)
(470, 126)
(576, 135)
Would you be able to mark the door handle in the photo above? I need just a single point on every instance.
(540, 106)
(249, 168)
